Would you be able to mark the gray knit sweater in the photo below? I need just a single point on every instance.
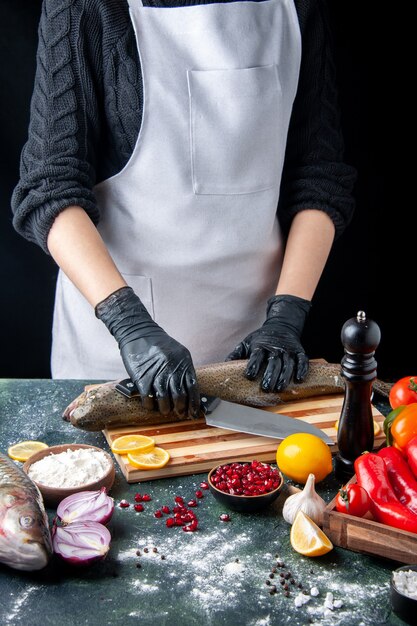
(87, 105)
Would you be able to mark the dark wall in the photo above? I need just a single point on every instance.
(356, 276)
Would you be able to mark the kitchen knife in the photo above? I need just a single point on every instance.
(244, 419)
(247, 419)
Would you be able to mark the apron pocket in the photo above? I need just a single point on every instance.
(236, 135)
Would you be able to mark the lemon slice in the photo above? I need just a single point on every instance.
(154, 459)
(377, 427)
(307, 538)
(23, 450)
(132, 443)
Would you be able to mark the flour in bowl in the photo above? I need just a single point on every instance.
(72, 468)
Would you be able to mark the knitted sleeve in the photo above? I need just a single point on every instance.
(314, 175)
(58, 162)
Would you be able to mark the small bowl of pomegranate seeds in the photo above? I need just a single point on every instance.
(245, 486)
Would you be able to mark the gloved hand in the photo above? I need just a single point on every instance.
(277, 344)
(161, 368)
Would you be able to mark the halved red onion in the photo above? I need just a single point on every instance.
(81, 543)
(86, 506)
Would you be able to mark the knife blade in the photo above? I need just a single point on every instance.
(245, 419)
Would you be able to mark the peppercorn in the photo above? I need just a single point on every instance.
(287, 594)
(271, 576)
(146, 550)
(154, 549)
(138, 552)
(274, 569)
(286, 587)
(138, 565)
(292, 581)
(282, 581)
(163, 557)
(272, 590)
(267, 582)
(282, 574)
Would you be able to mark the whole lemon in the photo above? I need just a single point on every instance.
(302, 454)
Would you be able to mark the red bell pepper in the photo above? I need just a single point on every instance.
(411, 454)
(400, 476)
(372, 475)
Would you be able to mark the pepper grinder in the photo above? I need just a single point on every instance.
(360, 338)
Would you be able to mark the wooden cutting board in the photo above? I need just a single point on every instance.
(195, 447)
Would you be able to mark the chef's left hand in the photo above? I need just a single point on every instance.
(277, 344)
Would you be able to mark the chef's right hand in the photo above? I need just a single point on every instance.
(161, 368)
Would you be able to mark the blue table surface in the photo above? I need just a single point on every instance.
(214, 576)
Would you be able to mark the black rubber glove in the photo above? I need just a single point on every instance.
(277, 344)
(160, 367)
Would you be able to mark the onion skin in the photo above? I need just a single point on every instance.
(86, 506)
(81, 543)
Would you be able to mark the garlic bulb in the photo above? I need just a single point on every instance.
(307, 501)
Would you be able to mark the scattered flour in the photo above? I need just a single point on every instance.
(231, 569)
(19, 603)
(72, 468)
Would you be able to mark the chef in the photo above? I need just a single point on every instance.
(184, 169)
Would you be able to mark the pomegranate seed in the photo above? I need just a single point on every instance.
(204, 485)
(199, 493)
(170, 522)
(179, 522)
(124, 504)
(146, 497)
(254, 478)
(138, 507)
(191, 527)
(192, 503)
(179, 499)
(158, 513)
(165, 509)
(224, 517)
(138, 497)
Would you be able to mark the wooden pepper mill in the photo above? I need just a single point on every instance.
(360, 338)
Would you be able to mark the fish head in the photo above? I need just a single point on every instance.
(25, 541)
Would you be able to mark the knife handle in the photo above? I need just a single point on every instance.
(128, 389)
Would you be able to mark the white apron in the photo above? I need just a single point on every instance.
(191, 220)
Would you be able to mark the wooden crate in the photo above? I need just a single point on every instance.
(368, 536)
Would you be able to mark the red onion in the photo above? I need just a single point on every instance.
(81, 543)
(86, 506)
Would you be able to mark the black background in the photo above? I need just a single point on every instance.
(372, 50)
